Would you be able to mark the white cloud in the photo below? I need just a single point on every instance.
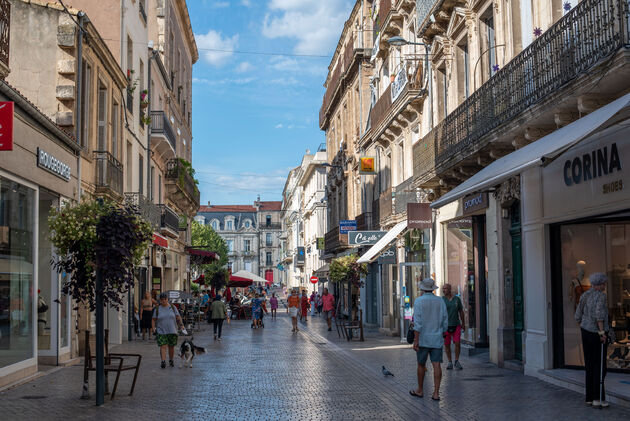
(220, 4)
(246, 3)
(279, 126)
(244, 67)
(299, 66)
(315, 24)
(216, 49)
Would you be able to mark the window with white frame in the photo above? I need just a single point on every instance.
(229, 225)
(215, 225)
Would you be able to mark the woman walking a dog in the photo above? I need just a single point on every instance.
(166, 319)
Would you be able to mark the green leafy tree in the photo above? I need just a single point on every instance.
(204, 237)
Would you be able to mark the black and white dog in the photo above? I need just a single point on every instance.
(187, 352)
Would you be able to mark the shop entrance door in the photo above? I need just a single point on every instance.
(405, 278)
(517, 268)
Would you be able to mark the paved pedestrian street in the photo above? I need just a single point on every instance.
(313, 375)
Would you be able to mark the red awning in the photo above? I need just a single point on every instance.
(202, 257)
(238, 282)
(160, 241)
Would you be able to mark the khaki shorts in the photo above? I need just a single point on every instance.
(327, 314)
(293, 311)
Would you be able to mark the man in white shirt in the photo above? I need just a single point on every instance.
(430, 321)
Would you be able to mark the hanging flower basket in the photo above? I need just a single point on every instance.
(346, 269)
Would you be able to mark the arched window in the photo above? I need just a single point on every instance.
(215, 225)
(247, 223)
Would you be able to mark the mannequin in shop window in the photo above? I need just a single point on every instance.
(578, 285)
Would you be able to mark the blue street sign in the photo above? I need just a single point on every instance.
(347, 225)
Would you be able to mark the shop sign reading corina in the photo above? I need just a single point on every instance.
(53, 165)
(346, 226)
(474, 202)
(365, 238)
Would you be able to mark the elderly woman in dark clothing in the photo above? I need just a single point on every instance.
(592, 315)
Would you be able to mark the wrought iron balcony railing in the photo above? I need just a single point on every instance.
(177, 172)
(334, 241)
(5, 24)
(271, 226)
(169, 219)
(160, 125)
(364, 221)
(148, 210)
(591, 32)
(109, 172)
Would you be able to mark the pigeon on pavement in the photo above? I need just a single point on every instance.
(386, 372)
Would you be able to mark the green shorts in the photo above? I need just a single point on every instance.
(169, 339)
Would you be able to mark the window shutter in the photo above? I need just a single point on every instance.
(102, 120)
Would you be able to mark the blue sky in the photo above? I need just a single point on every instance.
(254, 115)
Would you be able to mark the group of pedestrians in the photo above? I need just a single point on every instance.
(298, 306)
(439, 321)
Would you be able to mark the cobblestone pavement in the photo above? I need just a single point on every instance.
(313, 375)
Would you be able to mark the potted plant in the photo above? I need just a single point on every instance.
(144, 99)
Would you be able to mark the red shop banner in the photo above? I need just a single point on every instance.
(6, 126)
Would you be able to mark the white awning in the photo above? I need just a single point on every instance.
(382, 244)
(246, 274)
(536, 153)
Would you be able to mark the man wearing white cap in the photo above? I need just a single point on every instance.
(430, 321)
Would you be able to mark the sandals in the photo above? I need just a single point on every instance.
(413, 393)
(435, 399)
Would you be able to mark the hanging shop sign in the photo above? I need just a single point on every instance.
(300, 256)
(474, 203)
(160, 241)
(321, 244)
(419, 215)
(388, 257)
(346, 226)
(6, 126)
(367, 165)
(52, 164)
(365, 238)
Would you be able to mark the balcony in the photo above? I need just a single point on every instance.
(5, 24)
(109, 174)
(380, 109)
(404, 193)
(271, 226)
(334, 241)
(181, 186)
(169, 222)
(163, 140)
(149, 211)
(539, 77)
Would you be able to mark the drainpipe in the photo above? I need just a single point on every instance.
(79, 94)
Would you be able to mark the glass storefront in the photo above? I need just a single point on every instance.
(418, 250)
(585, 249)
(467, 279)
(17, 208)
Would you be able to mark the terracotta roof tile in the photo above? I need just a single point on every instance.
(271, 206)
(226, 208)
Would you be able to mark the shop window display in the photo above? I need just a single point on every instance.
(460, 269)
(586, 249)
(16, 272)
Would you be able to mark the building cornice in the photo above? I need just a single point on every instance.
(182, 9)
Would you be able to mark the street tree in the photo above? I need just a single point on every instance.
(204, 237)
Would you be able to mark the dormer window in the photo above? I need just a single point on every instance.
(215, 225)
(229, 225)
(247, 223)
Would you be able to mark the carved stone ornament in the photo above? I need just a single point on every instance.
(509, 190)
